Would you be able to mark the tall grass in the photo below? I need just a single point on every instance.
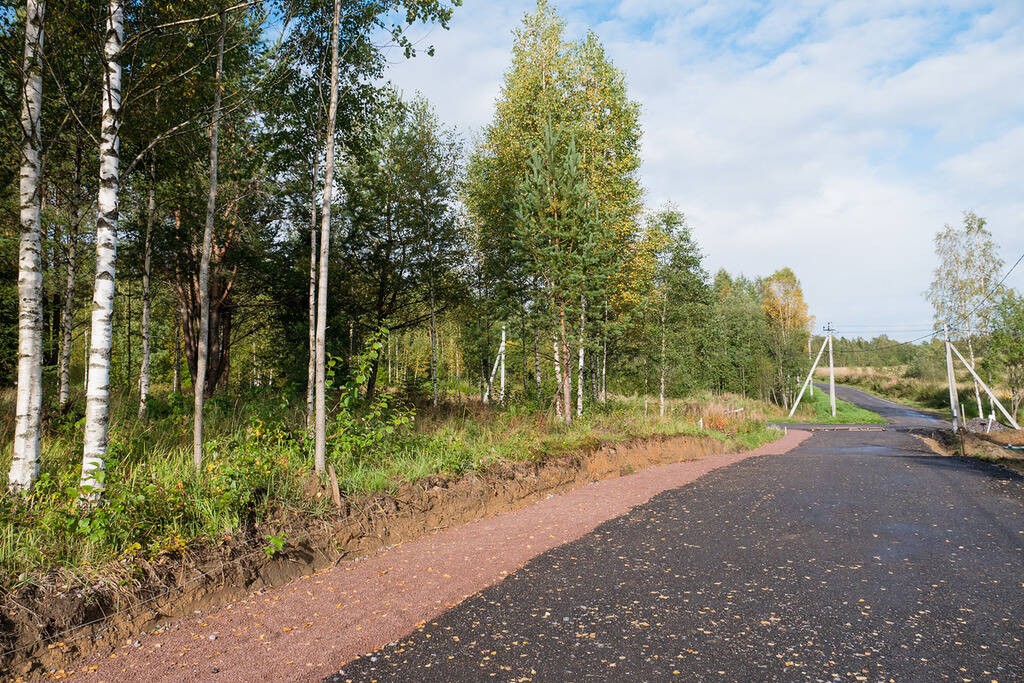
(257, 467)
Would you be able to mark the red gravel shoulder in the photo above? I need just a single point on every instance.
(311, 627)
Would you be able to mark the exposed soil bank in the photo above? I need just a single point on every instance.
(34, 622)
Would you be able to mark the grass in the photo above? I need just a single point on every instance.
(818, 410)
(257, 467)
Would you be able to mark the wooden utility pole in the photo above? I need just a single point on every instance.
(810, 376)
(831, 371)
(954, 400)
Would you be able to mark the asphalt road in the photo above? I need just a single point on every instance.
(894, 413)
(857, 556)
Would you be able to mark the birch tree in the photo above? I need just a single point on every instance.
(25, 460)
(97, 401)
(961, 292)
(203, 341)
(67, 318)
(147, 254)
(320, 422)
(313, 259)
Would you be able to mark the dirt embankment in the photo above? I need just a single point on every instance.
(45, 629)
(988, 447)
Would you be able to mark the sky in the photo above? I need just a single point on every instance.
(835, 138)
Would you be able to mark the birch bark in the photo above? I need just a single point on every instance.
(433, 344)
(25, 461)
(567, 375)
(311, 366)
(320, 444)
(146, 263)
(203, 341)
(67, 317)
(579, 379)
(97, 394)
(661, 396)
(536, 360)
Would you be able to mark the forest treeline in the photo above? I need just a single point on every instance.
(270, 216)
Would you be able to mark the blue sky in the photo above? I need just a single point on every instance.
(832, 137)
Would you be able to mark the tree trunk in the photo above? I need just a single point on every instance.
(536, 360)
(128, 334)
(567, 375)
(311, 365)
(67, 319)
(604, 371)
(25, 460)
(579, 379)
(203, 338)
(146, 261)
(320, 447)
(645, 385)
(661, 398)
(523, 345)
(176, 385)
(97, 399)
(433, 344)
(558, 380)
(501, 351)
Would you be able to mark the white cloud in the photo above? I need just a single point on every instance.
(835, 140)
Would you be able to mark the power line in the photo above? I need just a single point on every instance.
(988, 295)
(891, 346)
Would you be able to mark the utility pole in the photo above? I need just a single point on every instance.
(954, 400)
(831, 371)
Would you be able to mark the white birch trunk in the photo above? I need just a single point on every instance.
(645, 385)
(604, 371)
(563, 338)
(67, 317)
(146, 263)
(661, 396)
(558, 379)
(499, 360)
(501, 355)
(579, 379)
(203, 340)
(25, 460)
(536, 360)
(97, 395)
(320, 441)
(433, 348)
(311, 366)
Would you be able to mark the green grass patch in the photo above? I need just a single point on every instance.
(818, 410)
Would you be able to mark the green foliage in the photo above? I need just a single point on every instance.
(360, 424)
(1007, 345)
(275, 544)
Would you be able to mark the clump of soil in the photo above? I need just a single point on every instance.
(46, 627)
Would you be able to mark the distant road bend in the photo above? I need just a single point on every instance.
(860, 555)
